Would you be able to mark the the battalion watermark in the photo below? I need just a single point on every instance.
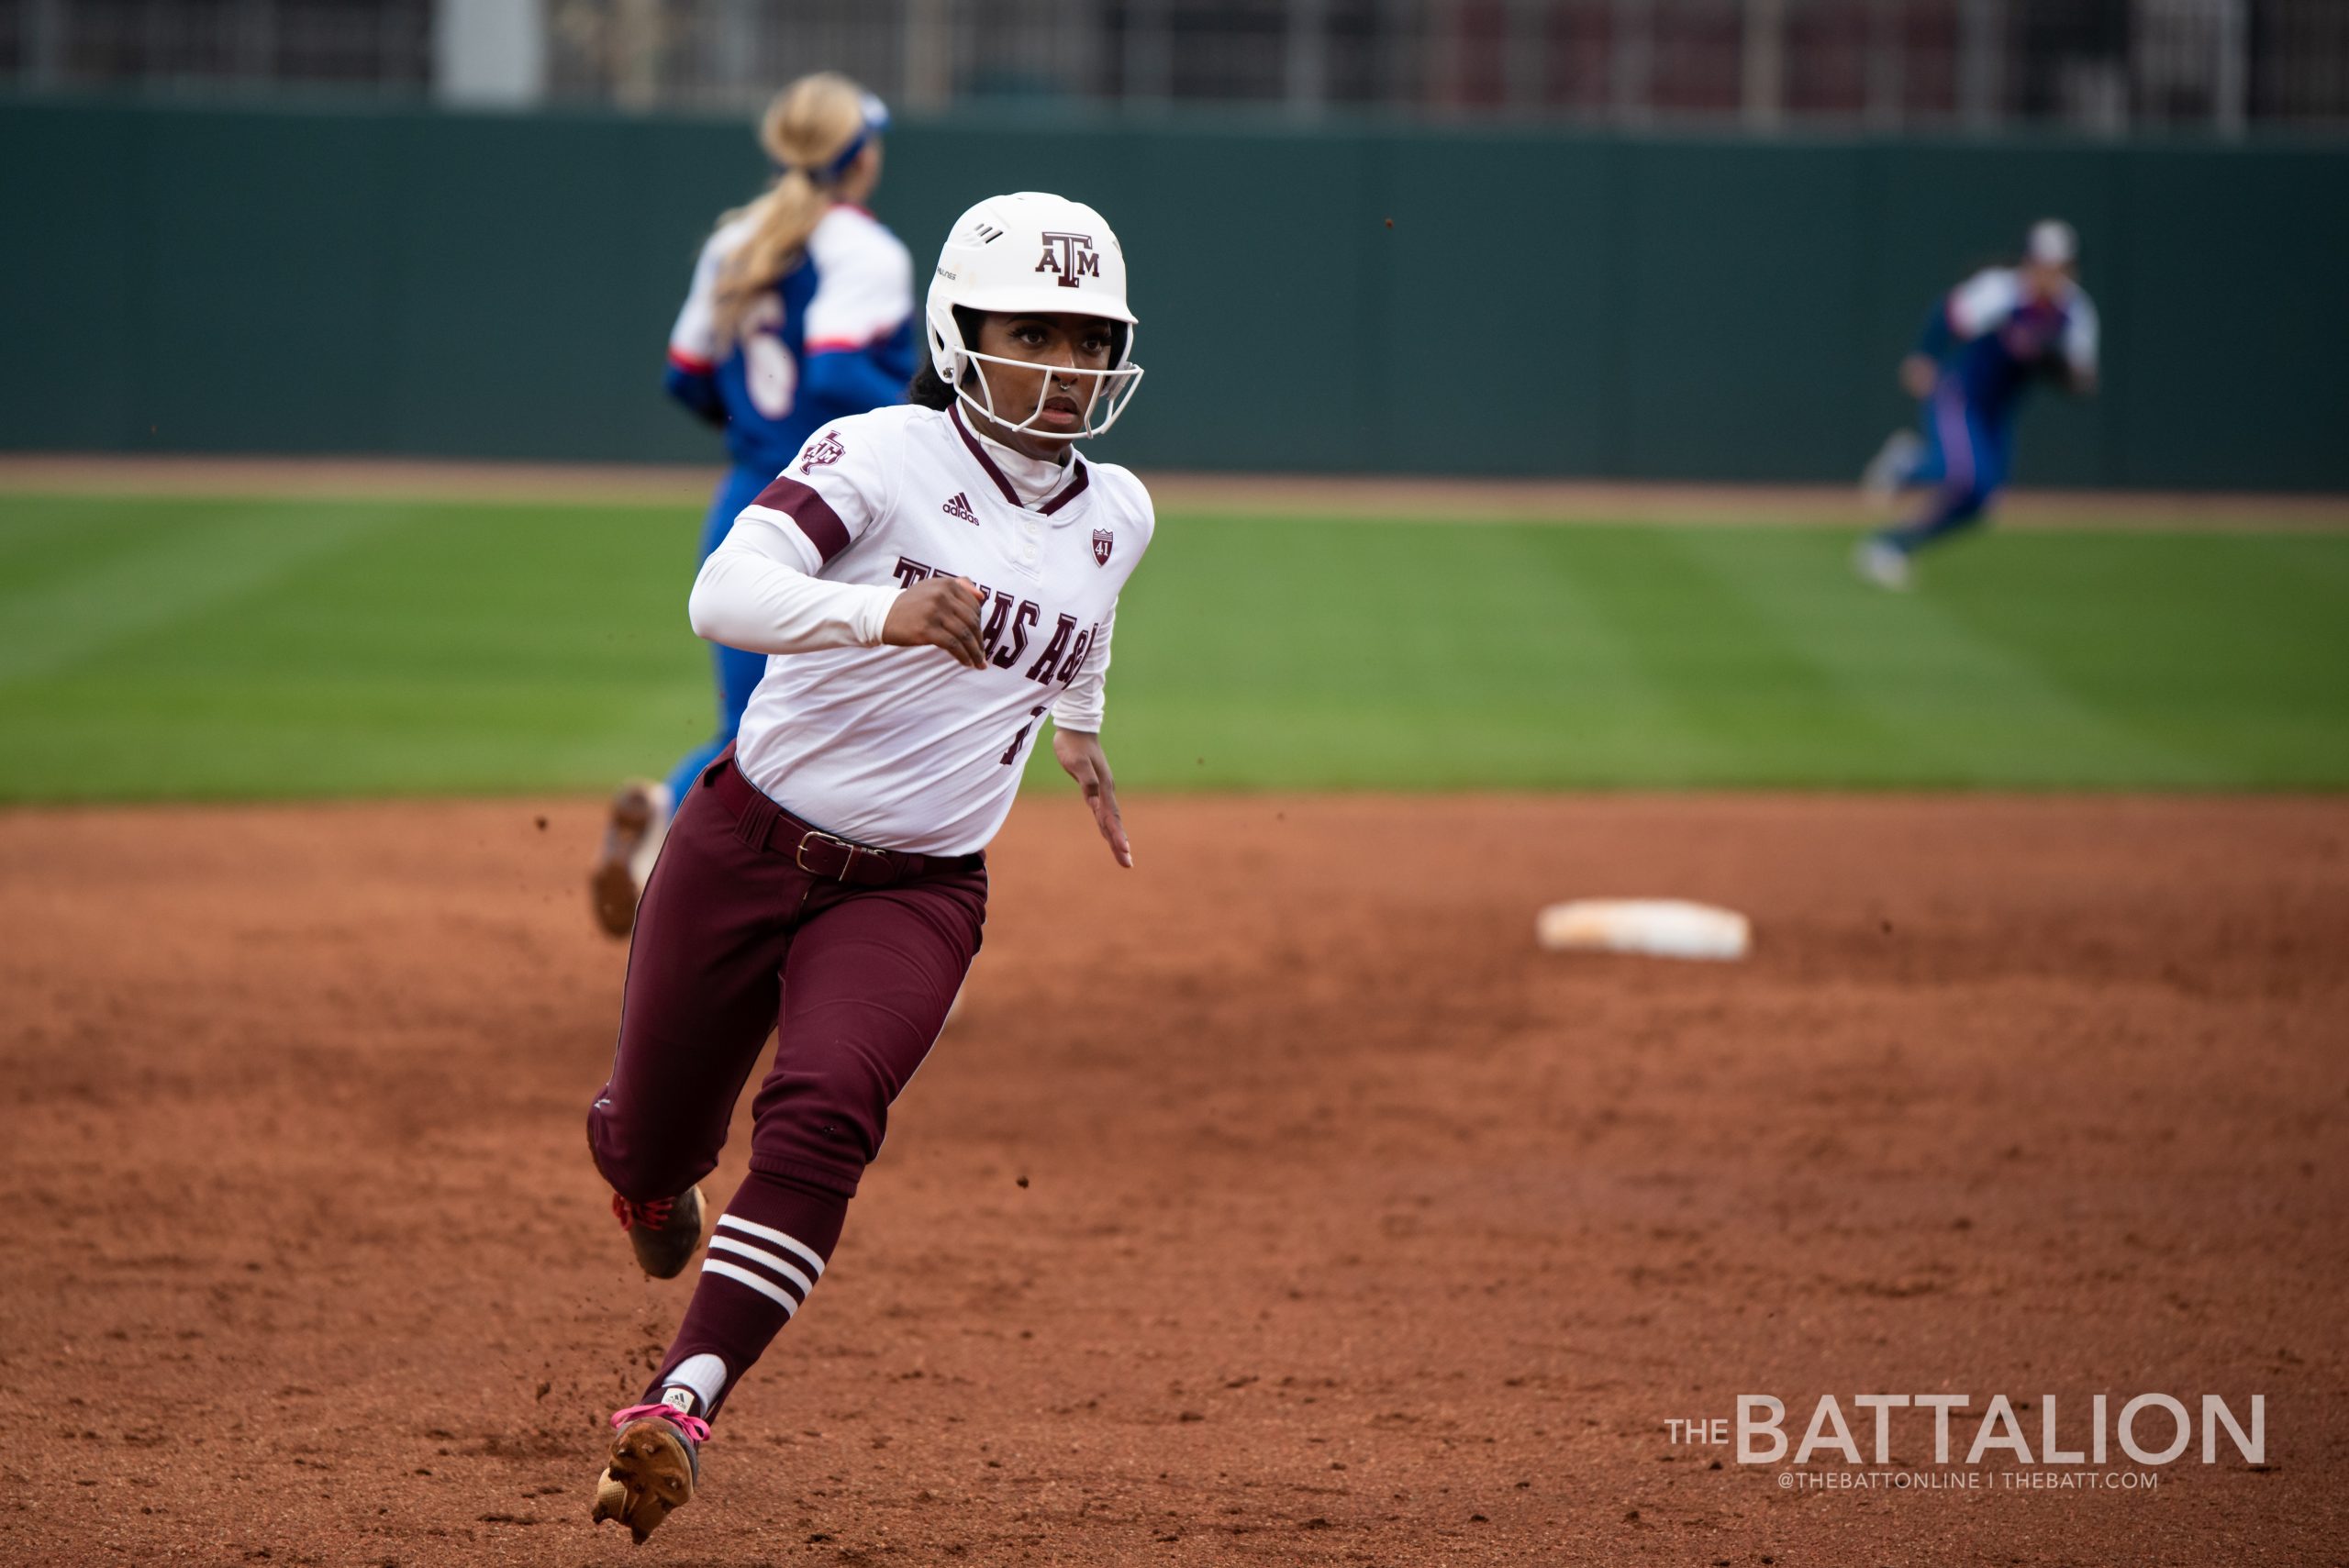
(2104, 1443)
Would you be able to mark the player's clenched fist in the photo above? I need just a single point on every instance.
(939, 612)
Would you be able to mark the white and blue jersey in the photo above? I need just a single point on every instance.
(1992, 336)
(1988, 338)
(832, 337)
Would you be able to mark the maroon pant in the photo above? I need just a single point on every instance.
(733, 939)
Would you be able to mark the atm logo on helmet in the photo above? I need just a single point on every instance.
(1071, 256)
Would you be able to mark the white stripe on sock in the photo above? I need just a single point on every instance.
(745, 1250)
(768, 1233)
(743, 1276)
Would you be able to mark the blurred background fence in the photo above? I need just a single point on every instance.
(2104, 66)
(216, 254)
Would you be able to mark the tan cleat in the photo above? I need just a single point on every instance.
(632, 835)
(654, 1467)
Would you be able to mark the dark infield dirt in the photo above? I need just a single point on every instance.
(1278, 1201)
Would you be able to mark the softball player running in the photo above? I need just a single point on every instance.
(801, 310)
(930, 584)
(1981, 348)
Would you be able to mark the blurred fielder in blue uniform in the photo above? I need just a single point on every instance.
(1997, 332)
(801, 310)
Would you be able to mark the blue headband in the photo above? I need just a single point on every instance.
(847, 155)
(877, 120)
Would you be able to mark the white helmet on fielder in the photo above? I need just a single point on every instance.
(1034, 254)
(2051, 242)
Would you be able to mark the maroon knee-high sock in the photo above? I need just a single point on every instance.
(765, 1254)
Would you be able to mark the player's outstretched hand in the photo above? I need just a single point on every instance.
(1918, 373)
(1082, 759)
(939, 612)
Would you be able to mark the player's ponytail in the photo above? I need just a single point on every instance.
(810, 129)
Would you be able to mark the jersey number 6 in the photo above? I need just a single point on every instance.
(769, 371)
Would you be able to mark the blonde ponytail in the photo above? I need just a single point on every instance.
(810, 124)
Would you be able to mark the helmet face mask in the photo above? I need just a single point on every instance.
(1112, 388)
(1032, 254)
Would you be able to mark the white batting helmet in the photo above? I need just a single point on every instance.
(1032, 253)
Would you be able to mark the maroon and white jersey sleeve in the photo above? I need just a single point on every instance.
(755, 592)
(906, 748)
(826, 497)
(759, 590)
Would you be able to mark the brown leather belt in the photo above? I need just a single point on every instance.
(761, 823)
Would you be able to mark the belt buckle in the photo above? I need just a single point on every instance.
(799, 853)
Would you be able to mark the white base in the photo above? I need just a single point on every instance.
(1660, 928)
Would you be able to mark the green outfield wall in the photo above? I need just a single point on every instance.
(177, 279)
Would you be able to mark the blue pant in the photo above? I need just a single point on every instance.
(1968, 449)
(738, 673)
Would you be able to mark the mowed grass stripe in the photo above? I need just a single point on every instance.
(1952, 701)
(1730, 675)
(298, 649)
(76, 591)
(1257, 653)
(2236, 658)
(460, 650)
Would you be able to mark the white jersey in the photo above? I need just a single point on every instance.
(1990, 299)
(861, 289)
(907, 748)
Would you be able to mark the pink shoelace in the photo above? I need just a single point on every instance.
(693, 1427)
(631, 1215)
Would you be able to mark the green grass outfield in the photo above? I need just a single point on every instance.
(217, 649)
